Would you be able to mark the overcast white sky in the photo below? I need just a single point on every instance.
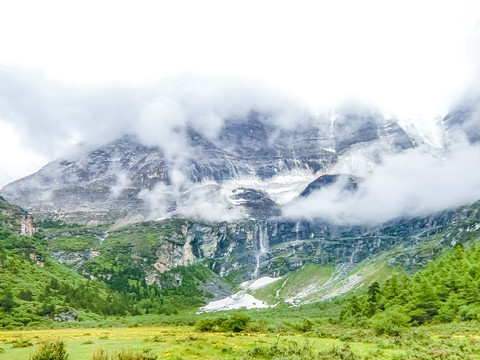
(409, 58)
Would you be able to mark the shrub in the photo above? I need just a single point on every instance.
(158, 339)
(205, 325)
(26, 295)
(469, 312)
(288, 350)
(6, 302)
(54, 350)
(100, 354)
(305, 326)
(21, 343)
(344, 353)
(131, 355)
(391, 321)
(271, 328)
(125, 354)
(236, 323)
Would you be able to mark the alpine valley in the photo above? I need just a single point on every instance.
(132, 228)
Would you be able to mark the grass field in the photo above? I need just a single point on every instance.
(185, 342)
(166, 342)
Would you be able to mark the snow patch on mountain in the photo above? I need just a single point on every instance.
(241, 299)
(281, 188)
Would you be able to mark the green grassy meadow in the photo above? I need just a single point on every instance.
(187, 342)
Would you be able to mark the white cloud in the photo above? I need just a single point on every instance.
(16, 160)
(406, 56)
(41, 119)
(122, 183)
(412, 183)
(199, 201)
(50, 118)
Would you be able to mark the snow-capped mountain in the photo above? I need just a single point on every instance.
(249, 169)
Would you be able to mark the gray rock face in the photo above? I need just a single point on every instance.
(117, 180)
(65, 314)
(288, 246)
(350, 129)
(257, 203)
(269, 150)
(250, 249)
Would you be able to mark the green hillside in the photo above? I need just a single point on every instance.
(37, 290)
(446, 290)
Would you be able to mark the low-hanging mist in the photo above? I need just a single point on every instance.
(413, 183)
(54, 116)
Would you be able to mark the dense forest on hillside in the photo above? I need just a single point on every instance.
(36, 289)
(447, 289)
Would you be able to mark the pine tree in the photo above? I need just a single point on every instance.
(6, 302)
(373, 293)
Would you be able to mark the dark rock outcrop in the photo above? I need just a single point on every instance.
(347, 182)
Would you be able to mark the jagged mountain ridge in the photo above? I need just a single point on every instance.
(118, 179)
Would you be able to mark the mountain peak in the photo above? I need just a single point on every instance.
(126, 178)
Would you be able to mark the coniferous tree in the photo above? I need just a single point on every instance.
(7, 303)
(373, 293)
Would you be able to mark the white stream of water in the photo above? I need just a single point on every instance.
(262, 247)
(297, 238)
(352, 256)
(105, 234)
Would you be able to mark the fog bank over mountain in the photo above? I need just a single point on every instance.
(414, 183)
(204, 147)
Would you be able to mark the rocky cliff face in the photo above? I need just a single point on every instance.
(251, 249)
(249, 165)
(17, 219)
(277, 247)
